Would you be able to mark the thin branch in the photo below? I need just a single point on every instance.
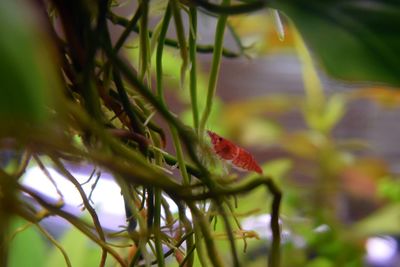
(48, 175)
(216, 61)
(144, 49)
(229, 232)
(193, 69)
(213, 254)
(170, 42)
(25, 159)
(231, 9)
(246, 186)
(130, 26)
(159, 54)
(73, 221)
(86, 203)
(55, 243)
(180, 32)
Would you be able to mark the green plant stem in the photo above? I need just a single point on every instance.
(25, 159)
(231, 10)
(180, 32)
(128, 29)
(170, 42)
(246, 186)
(168, 158)
(237, 39)
(143, 172)
(189, 229)
(229, 232)
(157, 212)
(55, 243)
(136, 124)
(73, 221)
(160, 92)
(213, 254)
(159, 55)
(185, 133)
(157, 227)
(177, 144)
(143, 230)
(86, 204)
(143, 39)
(179, 156)
(193, 69)
(8, 202)
(199, 245)
(140, 115)
(212, 83)
(189, 254)
(171, 160)
(170, 251)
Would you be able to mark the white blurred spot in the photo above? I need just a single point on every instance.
(323, 228)
(107, 198)
(381, 250)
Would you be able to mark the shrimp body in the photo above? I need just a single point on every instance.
(238, 157)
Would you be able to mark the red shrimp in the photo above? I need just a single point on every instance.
(238, 157)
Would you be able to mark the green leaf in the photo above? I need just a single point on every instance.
(27, 74)
(354, 40)
(383, 221)
(27, 248)
(80, 250)
(334, 111)
(320, 262)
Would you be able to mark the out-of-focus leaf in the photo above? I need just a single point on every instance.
(320, 262)
(389, 188)
(334, 111)
(383, 221)
(277, 169)
(81, 251)
(27, 76)
(27, 248)
(354, 40)
(271, 104)
(260, 133)
(300, 144)
(214, 122)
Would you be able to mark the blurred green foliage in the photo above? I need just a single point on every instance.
(80, 250)
(28, 247)
(29, 82)
(351, 41)
(354, 40)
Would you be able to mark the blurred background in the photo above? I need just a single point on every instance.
(330, 143)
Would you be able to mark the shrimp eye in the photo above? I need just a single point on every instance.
(220, 139)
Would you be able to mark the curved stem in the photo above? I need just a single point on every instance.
(180, 32)
(73, 221)
(55, 243)
(231, 10)
(193, 69)
(229, 232)
(128, 29)
(143, 39)
(159, 54)
(212, 83)
(170, 42)
(86, 203)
